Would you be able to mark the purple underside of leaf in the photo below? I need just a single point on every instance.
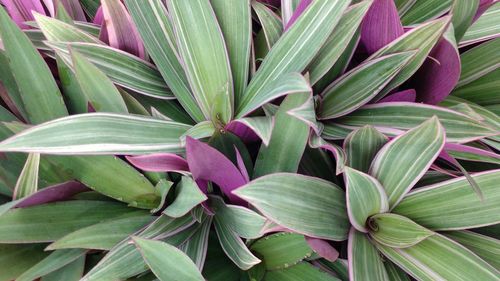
(381, 25)
(53, 193)
(435, 80)
(160, 162)
(323, 248)
(207, 163)
(244, 132)
(406, 96)
(298, 11)
(99, 17)
(483, 6)
(21, 10)
(470, 149)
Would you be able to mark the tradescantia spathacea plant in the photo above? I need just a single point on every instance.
(249, 140)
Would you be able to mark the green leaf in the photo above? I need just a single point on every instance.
(362, 145)
(235, 20)
(196, 247)
(282, 250)
(9, 83)
(482, 91)
(317, 211)
(17, 258)
(404, 5)
(396, 231)
(272, 28)
(245, 222)
(478, 62)
(22, 225)
(485, 247)
(453, 204)
(299, 272)
(338, 41)
(154, 26)
(27, 183)
(425, 10)
(100, 91)
(54, 261)
(166, 261)
(217, 266)
(209, 76)
(395, 273)
(58, 31)
(41, 96)
(438, 258)
(463, 12)
(357, 87)
(339, 154)
(339, 267)
(365, 262)
(188, 196)
(405, 159)
(487, 26)
(297, 47)
(365, 197)
(71, 272)
(101, 236)
(262, 126)
(234, 247)
(99, 133)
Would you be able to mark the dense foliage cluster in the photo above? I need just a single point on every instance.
(249, 140)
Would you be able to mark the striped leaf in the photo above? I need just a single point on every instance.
(301, 271)
(317, 211)
(365, 262)
(272, 28)
(100, 91)
(361, 146)
(123, 69)
(27, 182)
(479, 61)
(482, 91)
(296, 48)
(396, 231)
(41, 96)
(402, 116)
(484, 28)
(235, 20)
(357, 87)
(156, 30)
(166, 261)
(365, 197)
(485, 247)
(99, 133)
(59, 31)
(196, 247)
(438, 258)
(70, 272)
(395, 273)
(54, 261)
(262, 126)
(405, 159)
(188, 196)
(453, 204)
(209, 76)
(463, 12)
(339, 154)
(425, 10)
(288, 7)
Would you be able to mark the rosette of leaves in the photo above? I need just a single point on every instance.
(192, 140)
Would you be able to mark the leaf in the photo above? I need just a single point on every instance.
(296, 48)
(453, 205)
(485, 247)
(27, 183)
(54, 261)
(395, 273)
(355, 88)
(262, 126)
(486, 27)
(424, 261)
(364, 261)
(17, 258)
(71, 272)
(405, 159)
(386, 117)
(422, 11)
(100, 91)
(20, 11)
(196, 247)
(160, 162)
(361, 146)
(272, 28)
(188, 195)
(481, 91)
(22, 225)
(234, 247)
(209, 76)
(301, 271)
(339, 267)
(282, 250)
(201, 130)
(245, 222)
(56, 30)
(288, 140)
(396, 231)
(463, 12)
(166, 261)
(318, 211)
(337, 151)
(99, 133)
(9, 84)
(101, 236)
(365, 197)
(41, 96)
(478, 62)
(156, 30)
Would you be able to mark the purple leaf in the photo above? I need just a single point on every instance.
(483, 6)
(470, 149)
(53, 193)
(21, 10)
(207, 163)
(160, 162)
(323, 248)
(99, 17)
(381, 25)
(439, 74)
(406, 96)
(298, 11)
(241, 130)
